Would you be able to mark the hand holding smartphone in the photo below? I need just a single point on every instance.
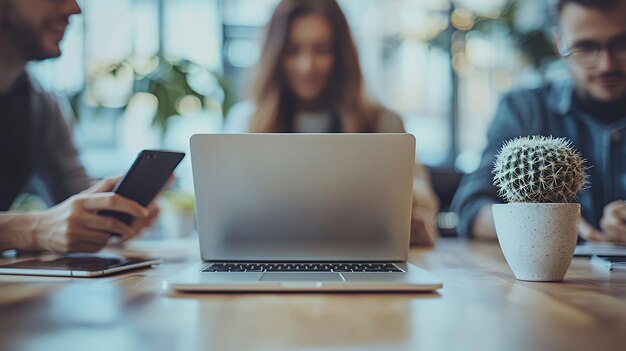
(145, 178)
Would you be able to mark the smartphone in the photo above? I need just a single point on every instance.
(144, 179)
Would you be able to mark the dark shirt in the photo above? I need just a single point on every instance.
(551, 110)
(36, 149)
(15, 142)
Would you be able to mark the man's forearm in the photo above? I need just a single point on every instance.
(484, 227)
(17, 230)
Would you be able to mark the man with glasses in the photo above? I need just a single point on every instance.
(589, 109)
(36, 146)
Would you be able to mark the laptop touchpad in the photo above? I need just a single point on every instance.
(301, 277)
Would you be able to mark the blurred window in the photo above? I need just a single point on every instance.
(441, 64)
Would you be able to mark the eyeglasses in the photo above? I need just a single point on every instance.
(588, 53)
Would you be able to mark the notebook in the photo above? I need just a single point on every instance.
(609, 262)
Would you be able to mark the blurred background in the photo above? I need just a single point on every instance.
(149, 73)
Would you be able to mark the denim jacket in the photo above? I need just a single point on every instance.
(550, 110)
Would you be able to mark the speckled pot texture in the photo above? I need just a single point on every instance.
(538, 240)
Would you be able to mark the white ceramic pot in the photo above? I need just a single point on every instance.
(538, 240)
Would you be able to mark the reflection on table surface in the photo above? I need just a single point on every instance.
(481, 307)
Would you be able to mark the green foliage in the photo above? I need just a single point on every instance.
(169, 82)
(534, 44)
(180, 201)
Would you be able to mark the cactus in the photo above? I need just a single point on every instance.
(539, 169)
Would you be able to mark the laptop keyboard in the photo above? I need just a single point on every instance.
(303, 267)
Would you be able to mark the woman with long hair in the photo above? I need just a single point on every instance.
(309, 80)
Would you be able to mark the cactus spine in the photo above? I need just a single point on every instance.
(539, 169)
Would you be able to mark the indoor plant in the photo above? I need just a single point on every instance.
(170, 82)
(539, 177)
(179, 214)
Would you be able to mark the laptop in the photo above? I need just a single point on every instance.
(303, 212)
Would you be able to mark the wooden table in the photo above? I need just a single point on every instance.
(481, 307)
